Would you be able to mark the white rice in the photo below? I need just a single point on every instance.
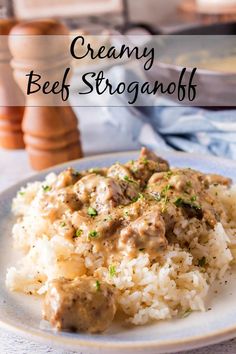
(146, 291)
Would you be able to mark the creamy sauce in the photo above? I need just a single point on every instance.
(120, 211)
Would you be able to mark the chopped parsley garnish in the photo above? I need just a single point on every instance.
(202, 262)
(164, 207)
(63, 224)
(98, 285)
(187, 313)
(78, 233)
(133, 167)
(166, 189)
(75, 173)
(126, 178)
(94, 170)
(145, 160)
(193, 198)
(189, 184)
(112, 270)
(190, 207)
(162, 196)
(21, 193)
(140, 196)
(92, 212)
(166, 199)
(168, 174)
(180, 202)
(126, 213)
(135, 199)
(93, 234)
(46, 188)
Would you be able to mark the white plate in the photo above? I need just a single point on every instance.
(22, 314)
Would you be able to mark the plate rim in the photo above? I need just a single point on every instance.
(198, 156)
(170, 346)
(186, 343)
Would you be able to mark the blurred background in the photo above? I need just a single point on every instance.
(161, 14)
(168, 125)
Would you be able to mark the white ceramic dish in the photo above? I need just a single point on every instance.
(22, 314)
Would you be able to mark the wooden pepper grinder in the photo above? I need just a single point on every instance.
(50, 131)
(11, 97)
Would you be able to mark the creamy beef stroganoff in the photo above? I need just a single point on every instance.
(139, 239)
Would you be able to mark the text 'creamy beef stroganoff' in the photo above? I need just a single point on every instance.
(138, 239)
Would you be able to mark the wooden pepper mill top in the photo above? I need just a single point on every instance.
(6, 25)
(41, 28)
(50, 125)
(11, 97)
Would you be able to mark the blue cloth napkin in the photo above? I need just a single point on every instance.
(194, 129)
(165, 125)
